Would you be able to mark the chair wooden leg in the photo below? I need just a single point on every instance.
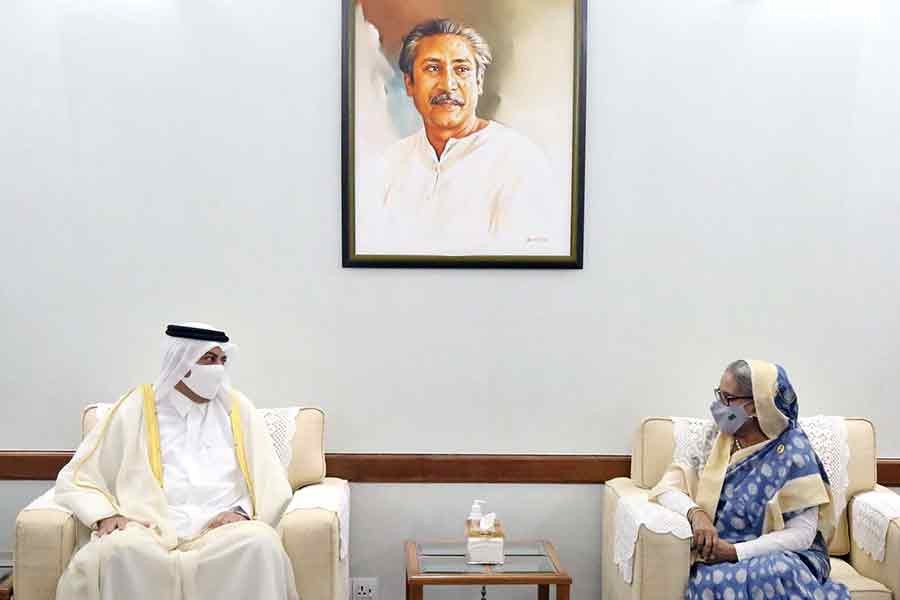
(415, 592)
(562, 592)
(543, 592)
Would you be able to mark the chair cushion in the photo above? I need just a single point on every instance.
(861, 588)
(307, 447)
(655, 444)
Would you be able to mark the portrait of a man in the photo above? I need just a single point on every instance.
(439, 172)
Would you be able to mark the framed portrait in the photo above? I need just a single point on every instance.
(463, 133)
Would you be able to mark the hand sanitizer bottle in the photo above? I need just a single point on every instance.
(475, 515)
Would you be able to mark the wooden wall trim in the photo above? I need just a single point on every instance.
(889, 472)
(424, 468)
(478, 468)
(395, 468)
(41, 465)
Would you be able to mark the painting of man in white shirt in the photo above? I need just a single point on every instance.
(461, 185)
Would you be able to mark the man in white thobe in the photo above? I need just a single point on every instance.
(182, 487)
(462, 185)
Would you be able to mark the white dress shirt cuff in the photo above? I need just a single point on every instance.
(676, 501)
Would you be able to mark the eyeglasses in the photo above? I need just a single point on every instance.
(726, 398)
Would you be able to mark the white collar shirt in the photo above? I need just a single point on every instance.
(201, 475)
(489, 192)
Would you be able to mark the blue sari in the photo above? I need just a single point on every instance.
(784, 468)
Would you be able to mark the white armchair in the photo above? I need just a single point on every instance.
(314, 528)
(661, 562)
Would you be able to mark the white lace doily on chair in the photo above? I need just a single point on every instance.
(282, 425)
(634, 512)
(828, 436)
(872, 515)
(694, 439)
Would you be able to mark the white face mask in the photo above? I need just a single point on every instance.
(728, 418)
(205, 380)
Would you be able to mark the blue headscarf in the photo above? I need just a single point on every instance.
(786, 397)
(776, 402)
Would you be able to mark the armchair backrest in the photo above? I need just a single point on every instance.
(307, 464)
(655, 444)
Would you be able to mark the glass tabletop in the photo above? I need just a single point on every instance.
(525, 564)
(459, 549)
(450, 557)
(441, 549)
(447, 564)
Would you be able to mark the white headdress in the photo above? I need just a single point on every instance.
(181, 353)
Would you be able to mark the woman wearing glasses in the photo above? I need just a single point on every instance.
(760, 509)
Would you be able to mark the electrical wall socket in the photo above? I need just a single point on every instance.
(364, 588)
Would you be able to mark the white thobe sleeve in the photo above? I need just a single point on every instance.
(798, 534)
(82, 485)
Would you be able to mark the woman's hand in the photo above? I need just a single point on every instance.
(705, 535)
(723, 552)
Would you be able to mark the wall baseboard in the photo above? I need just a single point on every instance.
(423, 468)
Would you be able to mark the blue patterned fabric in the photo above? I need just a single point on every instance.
(749, 484)
(786, 398)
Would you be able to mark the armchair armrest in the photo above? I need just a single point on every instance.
(887, 571)
(661, 560)
(315, 532)
(624, 487)
(47, 535)
(45, 541)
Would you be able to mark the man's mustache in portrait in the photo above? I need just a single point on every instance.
(446, 98)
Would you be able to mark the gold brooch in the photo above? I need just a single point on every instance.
(780, 449)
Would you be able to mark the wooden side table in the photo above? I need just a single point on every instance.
(531, 571)
(5, 584)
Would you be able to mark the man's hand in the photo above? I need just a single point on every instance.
(225, 518)
(110, 524)
(705, 534)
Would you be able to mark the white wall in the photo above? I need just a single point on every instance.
(164, 160)
(169, 160)
(177, 160)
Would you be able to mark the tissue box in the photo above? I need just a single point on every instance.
(484, 548)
